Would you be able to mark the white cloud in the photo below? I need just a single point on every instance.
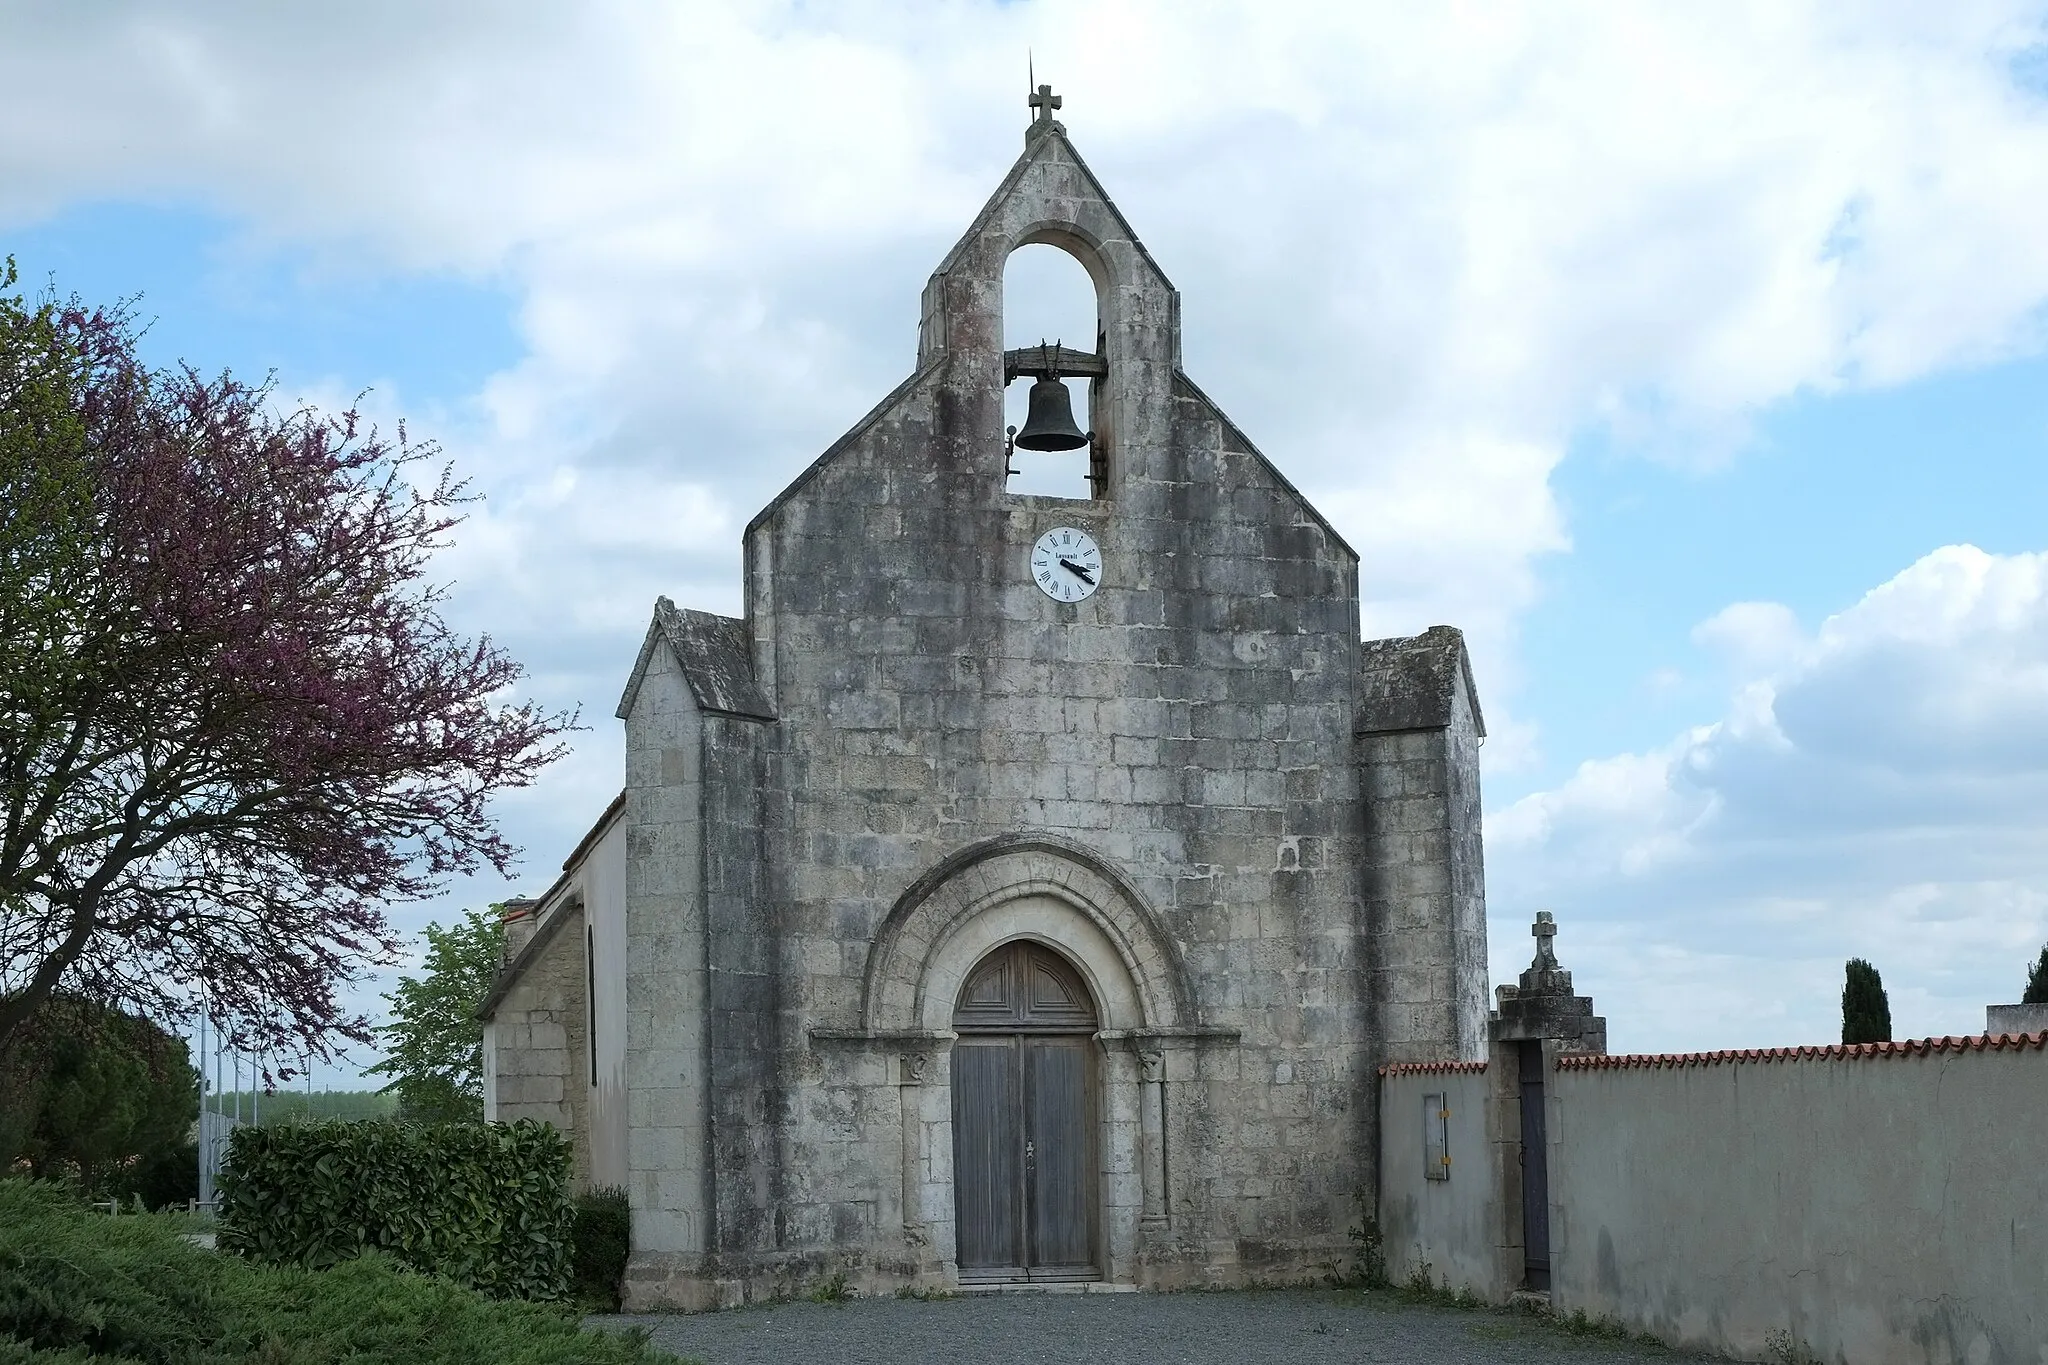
(1879, 789)
(1420, 248)
(1751, 636)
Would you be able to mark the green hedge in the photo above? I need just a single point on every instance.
(601, 1243)
(485, 1205)
(80, 1288)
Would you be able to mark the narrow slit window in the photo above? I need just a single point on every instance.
(590, 994)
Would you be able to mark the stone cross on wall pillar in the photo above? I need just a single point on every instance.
(1545, 929)
(1544, 1005)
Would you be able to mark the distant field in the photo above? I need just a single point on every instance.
(299, 1107)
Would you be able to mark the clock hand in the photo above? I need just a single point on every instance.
(1077, 571)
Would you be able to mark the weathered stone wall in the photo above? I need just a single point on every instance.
(1426, 886)
(1190, 724)
(665, 980)
(1162, 780)
(541, 1067)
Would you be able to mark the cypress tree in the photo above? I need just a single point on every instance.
(2037, 981)
(1866, 1012)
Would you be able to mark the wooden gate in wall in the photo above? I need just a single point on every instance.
(1535, 1171)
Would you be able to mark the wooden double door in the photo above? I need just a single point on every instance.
(1026, 1179)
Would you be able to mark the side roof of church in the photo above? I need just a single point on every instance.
(1412, 682)
(551, 912)
(716, 656)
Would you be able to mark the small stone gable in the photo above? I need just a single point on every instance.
(1413, 682)
(714, 654)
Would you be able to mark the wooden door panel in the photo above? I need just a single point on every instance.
(987, 1153)
(1059, 1187)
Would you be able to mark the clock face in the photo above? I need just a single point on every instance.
(1066, 564)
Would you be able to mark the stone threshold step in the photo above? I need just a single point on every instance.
(1048, 1287)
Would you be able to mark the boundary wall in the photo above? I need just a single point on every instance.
(1454, 1228)
(1882, 1204)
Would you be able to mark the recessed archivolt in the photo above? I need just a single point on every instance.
(1012, 888)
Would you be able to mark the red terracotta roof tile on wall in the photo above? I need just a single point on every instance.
(1836, 1052)
(1429, 1068)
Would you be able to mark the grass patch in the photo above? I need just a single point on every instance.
(832, 1289)
(78, 1287)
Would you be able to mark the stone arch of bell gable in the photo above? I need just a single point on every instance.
(1009, 888)
(1084, 248)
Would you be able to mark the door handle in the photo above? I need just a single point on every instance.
(1030, 1153)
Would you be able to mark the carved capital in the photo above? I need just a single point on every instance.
(912, 1067)
(1151, 1065)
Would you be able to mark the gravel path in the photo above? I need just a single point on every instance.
(1312, 1327)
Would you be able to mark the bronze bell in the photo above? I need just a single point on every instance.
(1049, 425)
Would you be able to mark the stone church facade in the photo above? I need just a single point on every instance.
(957, 925)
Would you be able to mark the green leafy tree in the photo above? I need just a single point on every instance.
(2037, 981)
(1866, 1010)
(435, 1042)
(97, 1095)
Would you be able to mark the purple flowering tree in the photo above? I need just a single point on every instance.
(233, 724)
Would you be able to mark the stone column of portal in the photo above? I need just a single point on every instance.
(1152, 1133)
(909, 1085)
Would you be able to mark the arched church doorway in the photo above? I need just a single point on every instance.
(1025, 1172)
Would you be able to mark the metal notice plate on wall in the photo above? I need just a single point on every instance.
(1436, 1137)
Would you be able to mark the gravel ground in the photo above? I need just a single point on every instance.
(1313, 1327)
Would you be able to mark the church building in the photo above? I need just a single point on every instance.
(1026, 888)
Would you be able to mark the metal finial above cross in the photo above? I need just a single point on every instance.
(1545, 929)
(1044, 102)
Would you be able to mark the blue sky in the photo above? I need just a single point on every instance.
(1829, 497)
(1677, 357)
(216, 294)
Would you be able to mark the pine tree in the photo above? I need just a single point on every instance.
(1866, 1012)
(2037, 981)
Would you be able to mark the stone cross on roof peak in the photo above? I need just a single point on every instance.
(1042, 103)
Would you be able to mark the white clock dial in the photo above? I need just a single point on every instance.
(1066, 564)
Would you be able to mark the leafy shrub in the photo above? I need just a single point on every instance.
(1420, 1282)
(485, 1205)
(79, 1288)
(165, 1178)
(832, 1289)
(600, 1243)
(1369, 1257)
